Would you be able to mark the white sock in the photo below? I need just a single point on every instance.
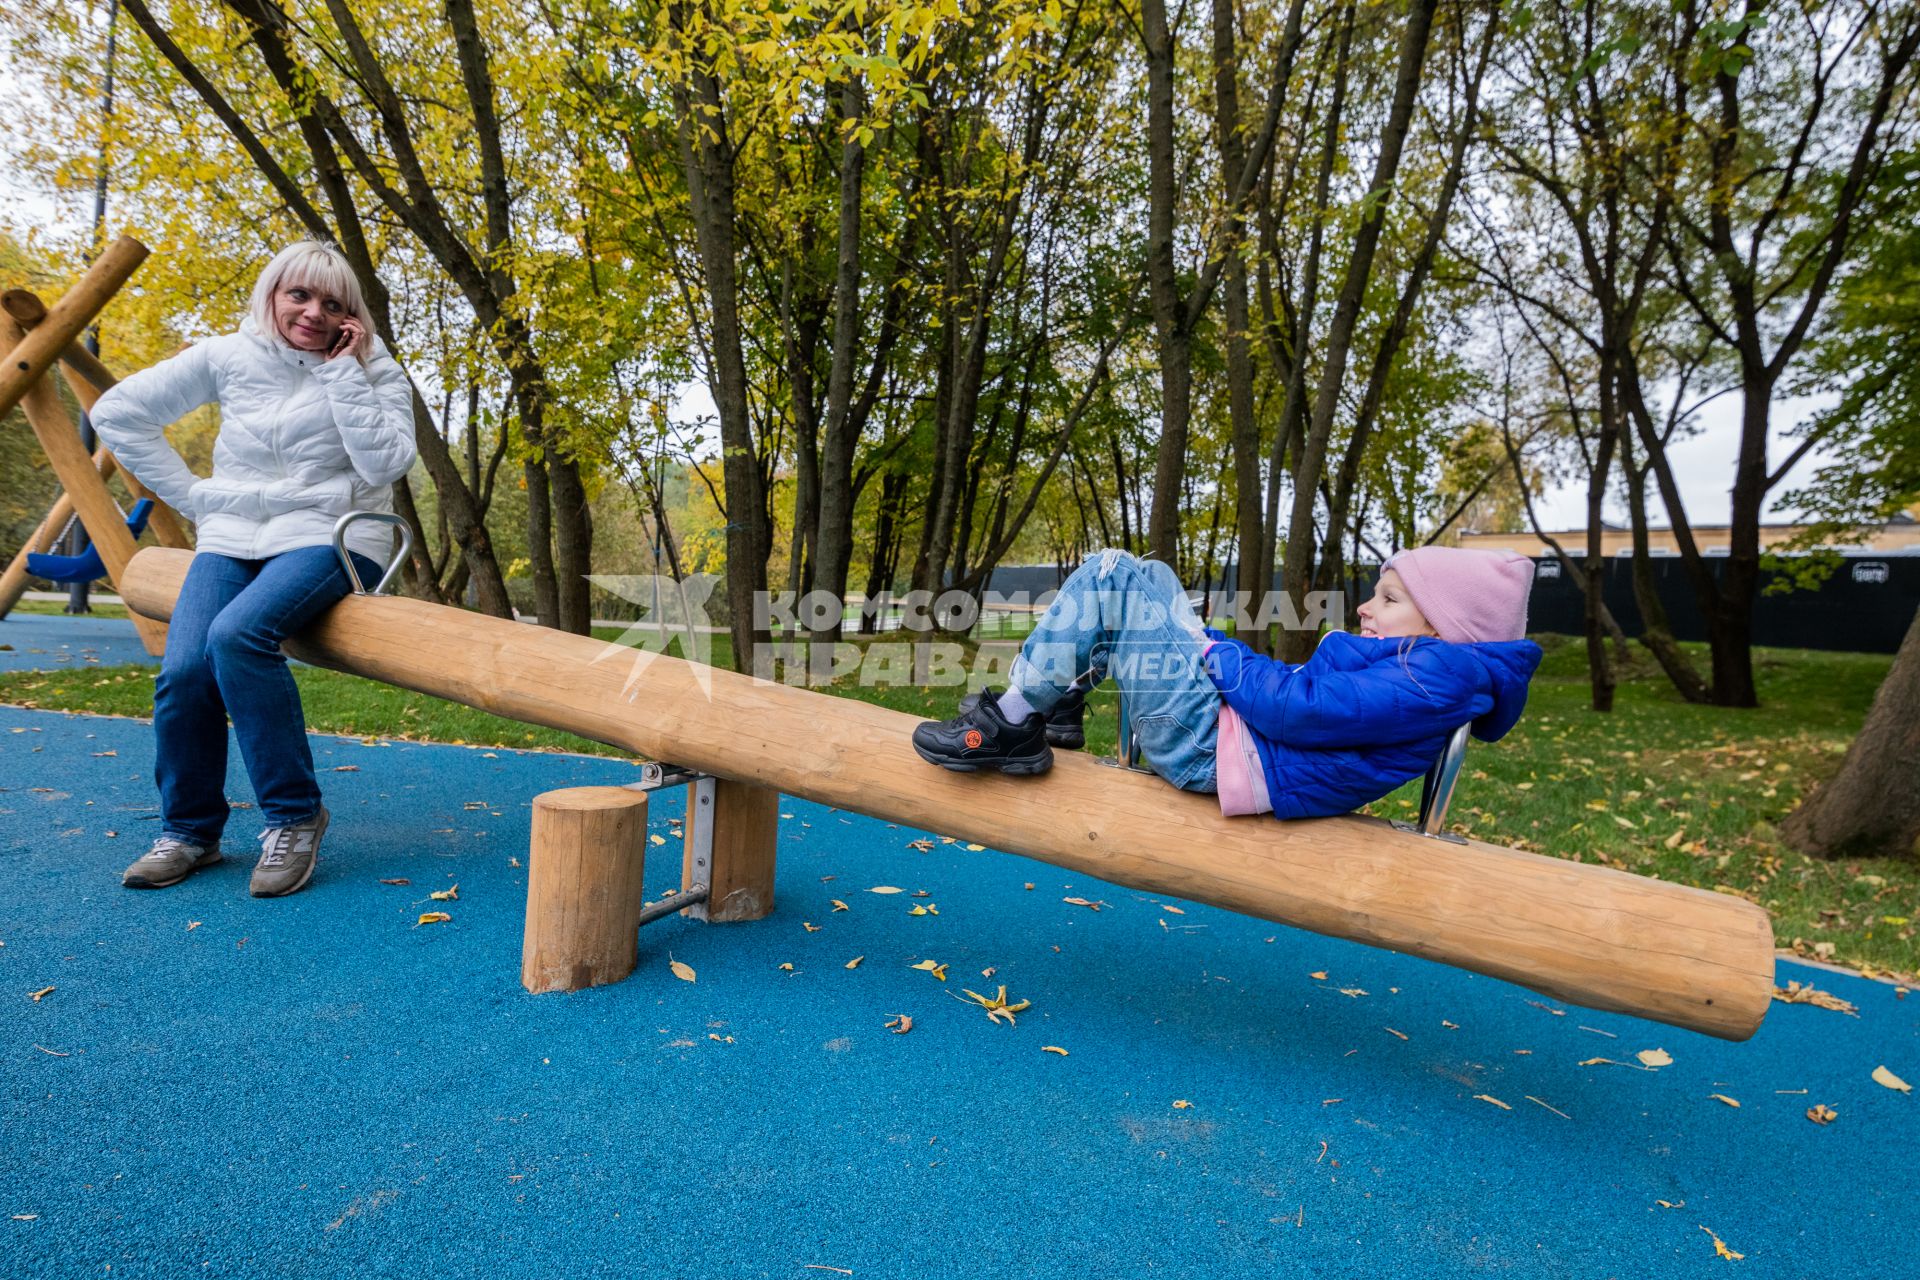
(1014, 705)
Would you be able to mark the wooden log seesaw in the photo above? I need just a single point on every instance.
(1585, 934)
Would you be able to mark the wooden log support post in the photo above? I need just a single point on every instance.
(60, 441)
(733, 829)
(29, 358)
(584, 888)
(25, 306)
(89, 379)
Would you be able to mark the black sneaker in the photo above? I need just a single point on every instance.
(981, 738)
(1066, 722)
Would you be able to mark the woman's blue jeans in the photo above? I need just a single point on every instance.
(223, 659)
(1120, 616)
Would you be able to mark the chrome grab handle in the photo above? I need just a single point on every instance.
(346, 561)
(1436, 791)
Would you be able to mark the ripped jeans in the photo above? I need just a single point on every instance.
(1129, 619)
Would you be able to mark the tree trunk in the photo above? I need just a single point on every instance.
(707, 155)
(833, 537)
(801, 335)
(1656, 633)
(1297, 646)
(1871, 808)
(546, 595)
(1174, 345)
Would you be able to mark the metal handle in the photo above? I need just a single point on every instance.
(1437, 790)
(346, 561)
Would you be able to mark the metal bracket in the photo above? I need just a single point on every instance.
(1436, 791)
(673, 902)
(699, 826)
(656, 775)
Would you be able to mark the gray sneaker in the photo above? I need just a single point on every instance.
(287, 855)
(170, 861)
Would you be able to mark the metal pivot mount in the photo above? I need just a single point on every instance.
(655, 776)
(1436, 791)
(340, 527)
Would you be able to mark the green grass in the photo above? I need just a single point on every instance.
(101, 609)
(1687, 794)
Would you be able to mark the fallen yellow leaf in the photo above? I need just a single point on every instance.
(901, 1025)
(809, 926)
(998, 1009)
(1655, 1057)
(976, 848)
(1724, 1098)
(446, 895)
(883, 888)
(1821, 1113)
(659, 839)
(916, 910)
(1083, 902)
(681, 970)
(933, 967)
(855, 962)
(1883, 1076)
(1390, 1031)
(1176, 911)
(1319, 975)
(1807, 993)
(42, 993)
(1720, 1247)
(432, 917)
(1181, 1104)
(1487, 1097)
(192, 925)
(840, 906)
(787, 967)
(1053, 1048)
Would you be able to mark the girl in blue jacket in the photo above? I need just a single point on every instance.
(1441, 643)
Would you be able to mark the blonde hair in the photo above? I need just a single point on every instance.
(309, 264)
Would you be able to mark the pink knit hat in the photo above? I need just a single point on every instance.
(1469, 596)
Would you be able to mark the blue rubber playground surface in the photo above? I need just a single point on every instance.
(32, 642)
(318, 1086)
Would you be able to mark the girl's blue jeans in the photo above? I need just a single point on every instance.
(223, 659)
(1129, 619)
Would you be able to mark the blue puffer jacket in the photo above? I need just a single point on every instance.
(1364, 715)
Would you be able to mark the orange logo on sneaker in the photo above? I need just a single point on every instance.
(974, 739)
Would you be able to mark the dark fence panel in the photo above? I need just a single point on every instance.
(1866, 605)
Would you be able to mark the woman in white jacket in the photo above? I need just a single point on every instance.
(316, 420)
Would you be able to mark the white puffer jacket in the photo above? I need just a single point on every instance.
(303, 441)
